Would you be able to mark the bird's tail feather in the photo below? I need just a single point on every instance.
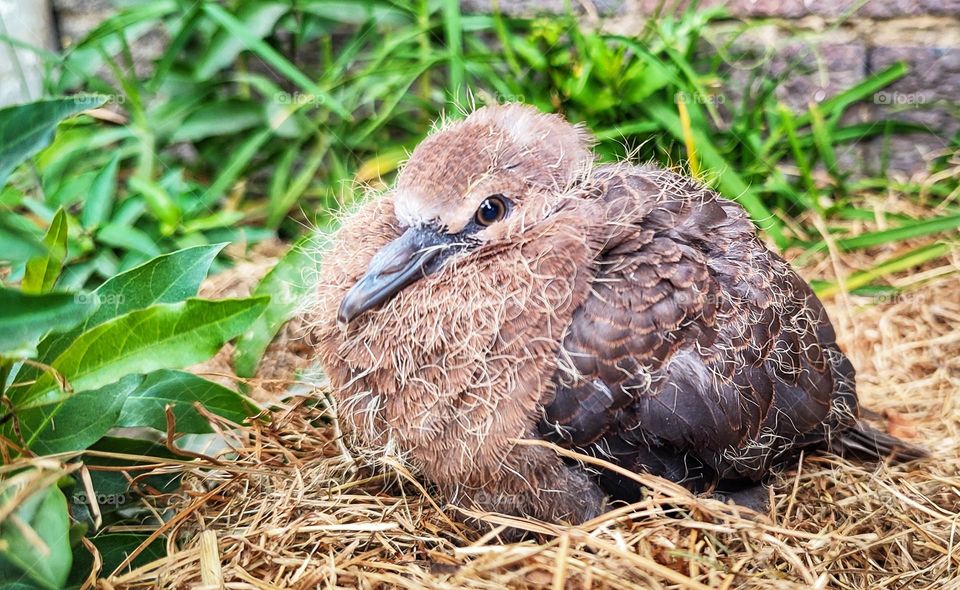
(869, 444)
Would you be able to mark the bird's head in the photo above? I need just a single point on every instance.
(471, 186)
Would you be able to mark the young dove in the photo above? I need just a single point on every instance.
(510, 288)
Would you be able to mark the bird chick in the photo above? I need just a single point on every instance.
(509, 288)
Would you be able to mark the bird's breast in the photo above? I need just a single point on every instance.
(454, 368)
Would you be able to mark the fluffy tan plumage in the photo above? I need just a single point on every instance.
(507, 288)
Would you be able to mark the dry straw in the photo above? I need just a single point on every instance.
(293, 509)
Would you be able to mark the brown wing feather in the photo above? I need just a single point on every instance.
(699, 354)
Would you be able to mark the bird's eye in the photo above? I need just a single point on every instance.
(491, 210)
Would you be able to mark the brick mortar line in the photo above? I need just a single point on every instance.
(932, 31)
(928, 31)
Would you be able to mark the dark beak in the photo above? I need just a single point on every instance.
(417, 253)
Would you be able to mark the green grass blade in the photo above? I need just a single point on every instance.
(790, 128)
(821, 138)
(906, 231)
(279, 208)
(42, 271)
(865, 89)
(287, 284)
(453, 31)
(103, 191)
(273, 58)
(235, 166)
(906, 261)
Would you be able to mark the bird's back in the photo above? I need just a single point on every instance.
(699, 355)
(507, 287)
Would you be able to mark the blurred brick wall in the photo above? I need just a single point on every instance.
(832, 44)
(21, 70)
(76, 18)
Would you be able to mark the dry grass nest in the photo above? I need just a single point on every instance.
(288, 506)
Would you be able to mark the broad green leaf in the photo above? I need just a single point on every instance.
(164, 336)
(128, 238)
(7, 572)
(75, 423)
(28, 128)
(168, 278)
(70, 191)
(96, 209)
(145, 406)
(17, 243)
(42, 271)
(165, 279)
(24, 319)
(38, 544)
(227, 117)
(287, 284)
